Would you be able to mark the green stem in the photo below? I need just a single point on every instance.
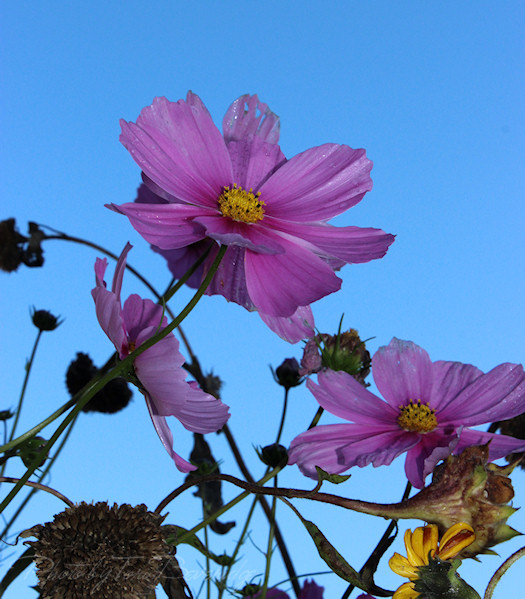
(501, 570)
(22, 394)
(316, 418)
(283, 416)
(269, 550)
(41, 477)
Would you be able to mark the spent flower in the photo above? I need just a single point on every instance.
(159, 368)
(238, 189)
(428, 412)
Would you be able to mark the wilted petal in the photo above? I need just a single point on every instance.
(423, 457)
(249, 116)
(402, 370)
(318, 184)
(300, 325)
(499, 447)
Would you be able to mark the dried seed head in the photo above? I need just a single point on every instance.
(93, 550)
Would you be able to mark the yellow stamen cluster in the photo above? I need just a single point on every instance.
(417, 417)
(241, 205)
(421, 545)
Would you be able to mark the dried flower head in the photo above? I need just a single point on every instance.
(112, 398)
(93, 550)
(44, 320)
(11, 246)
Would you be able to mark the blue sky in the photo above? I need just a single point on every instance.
(433, 91)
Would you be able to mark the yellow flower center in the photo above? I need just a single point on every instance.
(417, 417)
(240, 205)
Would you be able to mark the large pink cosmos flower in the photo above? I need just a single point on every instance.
(159, 368)
(238, 189)
(300, 325)
(428, 410)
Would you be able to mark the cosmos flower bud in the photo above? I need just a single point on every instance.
(465, 488)
(32, 449)
(344, 351)
(44, 320)
(274, 455)
(93, 550)
(11, 246)
(287, 374)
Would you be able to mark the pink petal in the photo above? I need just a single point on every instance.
(202, 413)
(120, 268)
(318, 184)
(139, 314)
(343, 396)
(177, 145)
(450, 378)
(253, 160)
(168, 226)
(337, 447)
(229, 280)
(180, 260)
(353, 245)
(230, 232)
(402, 370)
(249, 116)
(499, 447)
(166, 437)
(300, 325)
(279, 284)
(497, 395)
(423, 457)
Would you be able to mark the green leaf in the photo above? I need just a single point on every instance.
(335, 479)
(16, 569)
(173, 533)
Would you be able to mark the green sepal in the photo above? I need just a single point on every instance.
(335, 479)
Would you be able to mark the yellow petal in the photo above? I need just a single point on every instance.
(406, 591)
(414, 547)
(400, 565)
(456, 538)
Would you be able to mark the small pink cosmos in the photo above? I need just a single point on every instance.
(310, 590)
(238, 189)
(427, 413)
(159, 368)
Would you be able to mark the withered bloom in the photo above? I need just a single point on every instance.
(97, 551)
(11, 246)
(112, 398)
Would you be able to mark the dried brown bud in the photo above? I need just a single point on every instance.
(92, 550)
(11, 246)
(465, 488)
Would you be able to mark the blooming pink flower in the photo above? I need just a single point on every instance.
(238, 189)
(428, 412)
(159, 368)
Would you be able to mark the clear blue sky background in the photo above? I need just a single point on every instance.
(433, 91)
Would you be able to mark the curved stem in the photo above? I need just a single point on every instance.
(40, 487)
(501, 570)
(41, 477)
(269, 549)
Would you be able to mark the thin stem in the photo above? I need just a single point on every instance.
(269, 550)
(224, 577)
(22, 393)
(501, 570)
(266, 508)
(39, 486)
(316, 418)
(383, 542)
(283, 416)
(41, 477)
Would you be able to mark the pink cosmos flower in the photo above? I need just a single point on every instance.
(238, 189)
(428, 412)
(300, 325)
(159, 368)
